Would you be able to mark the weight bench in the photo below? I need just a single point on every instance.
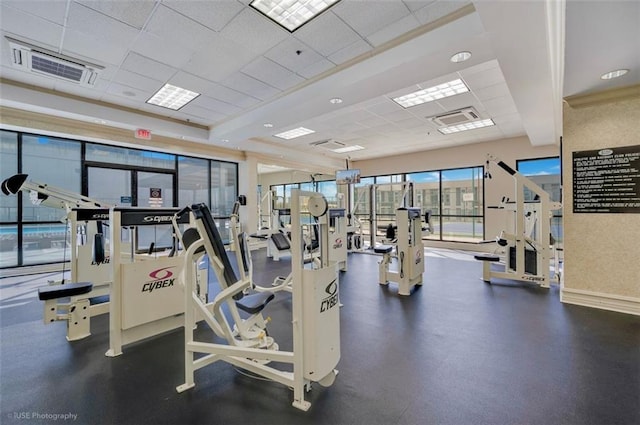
(280, 242)
(76, 312)
(486, 259)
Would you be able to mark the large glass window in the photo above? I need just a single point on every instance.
(8, 168)
(125, 156)
(193, 178)
(462, 204)
(54, 162)
(34, 233)
(545, 172)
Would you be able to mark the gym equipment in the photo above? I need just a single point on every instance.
(316, 320)
(409, 252)
(85, 217)
(527, 252)
(278, 244)
(338, 237)
(146, 296)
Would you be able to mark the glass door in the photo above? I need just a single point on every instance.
(110, 185)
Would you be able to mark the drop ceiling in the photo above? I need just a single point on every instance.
(249, 71)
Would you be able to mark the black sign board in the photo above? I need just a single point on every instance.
(92, 214)
(607, 180)
(149, 216)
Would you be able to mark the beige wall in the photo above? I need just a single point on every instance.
(602, 251)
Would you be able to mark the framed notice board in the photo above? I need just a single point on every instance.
(607, 180)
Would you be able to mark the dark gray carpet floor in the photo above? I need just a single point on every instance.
(457, 351)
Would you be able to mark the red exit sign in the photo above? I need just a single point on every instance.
(141, 133)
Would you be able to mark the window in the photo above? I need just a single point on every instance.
(545, 172)
(193, 175)
(125, 156)
(9, 167)
(455, 199)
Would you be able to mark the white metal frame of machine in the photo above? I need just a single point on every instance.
(409, 252)
(315, 311)
(89, 261)
(146, 295)
(529, 249)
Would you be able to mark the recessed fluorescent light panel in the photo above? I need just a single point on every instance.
(296, 132)
(467, 126)
(348, 149)
(440, 91)
(292, 14)
(172, 97)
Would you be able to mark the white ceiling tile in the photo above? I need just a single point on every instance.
(120, 90)
(490, 92)
(97, 36)
(366, 20)
(253, 30)
(215, 105)
(134, 13)
(169, 24)
(148, 67)
(316, 68)
(327, 34)
(385, 106)
(212, 14)
(30, 28)
(428, 109)
(248, 85)
(203, 113)
(410, 123)
(131, 79)
(53, 11)
(398, 115)
(160, 49)
(484, 78)
(350, 52)
(212, 89)
(78, 90)
(499, 106)
(438, 9)
(414, 5)
(286, 54)
(271, 73)
(393, 30)
(125, 101)
(218, 59)
(458, 101)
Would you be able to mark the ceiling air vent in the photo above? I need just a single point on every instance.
(460, 116)
(41, 61)
(330, 145)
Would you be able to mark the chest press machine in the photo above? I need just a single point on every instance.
(409, 252)
(90, 270)
(528, 250)
(316, 321)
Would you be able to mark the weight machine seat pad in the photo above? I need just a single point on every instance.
(383, 249)
(280, 241)
(487, 257)
(66, 290)
(255, 303)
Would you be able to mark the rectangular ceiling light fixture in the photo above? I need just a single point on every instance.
(348, 149)
(296, 132)
(291, 14)
(172, 97)
(430, 94)
(467, 126)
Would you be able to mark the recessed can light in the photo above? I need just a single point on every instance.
(460, 57)
(335, 100)
(614, 74)
(267, 125)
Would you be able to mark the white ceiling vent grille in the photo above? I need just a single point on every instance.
(460, 116)
(41, 61)
(329, 145)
